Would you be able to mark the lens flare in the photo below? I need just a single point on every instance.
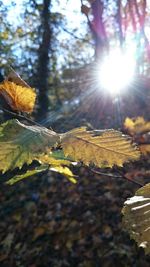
(117, 71)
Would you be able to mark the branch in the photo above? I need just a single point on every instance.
(75, 36)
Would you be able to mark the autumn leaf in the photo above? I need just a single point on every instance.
(51, 160)
(27, 174)
(145, 149)
(21, 144)
(137, 126)
(136, 217)
(102, 148)
(18, 97)
(58, 165)
(65, 171)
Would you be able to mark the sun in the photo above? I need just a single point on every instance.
(116, 71)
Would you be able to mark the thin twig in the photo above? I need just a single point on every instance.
(20, 116)
(117, 176)
(106, 174)
(133, 181)
(76, 37)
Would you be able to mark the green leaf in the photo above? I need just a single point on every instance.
(59, 154)
(136, 217)
(29, 173)
(21, 144)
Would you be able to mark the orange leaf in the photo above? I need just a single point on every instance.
(145, 149)
(19, 98)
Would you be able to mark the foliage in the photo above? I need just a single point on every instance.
(19, 98)
(139, 128)
(136, 126)
(22, 144)
(136, 217)
(136, 209)
(102, 148)
(29, 173)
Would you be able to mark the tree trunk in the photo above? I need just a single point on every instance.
(98, 28)
(43, 62)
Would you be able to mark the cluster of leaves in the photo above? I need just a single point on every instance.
(136, 210)
(20, 144)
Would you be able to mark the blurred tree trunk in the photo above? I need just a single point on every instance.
(97, 26)
(42, 72)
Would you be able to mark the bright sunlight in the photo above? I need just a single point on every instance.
(117, 71)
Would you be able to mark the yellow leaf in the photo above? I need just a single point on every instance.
(129, 125)
(136, 217)
(137, 126)
(5, 35)
(65, 171)
(58, 165)
(18, 97)
(102, 148)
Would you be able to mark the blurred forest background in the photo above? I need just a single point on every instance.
(56, 47)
